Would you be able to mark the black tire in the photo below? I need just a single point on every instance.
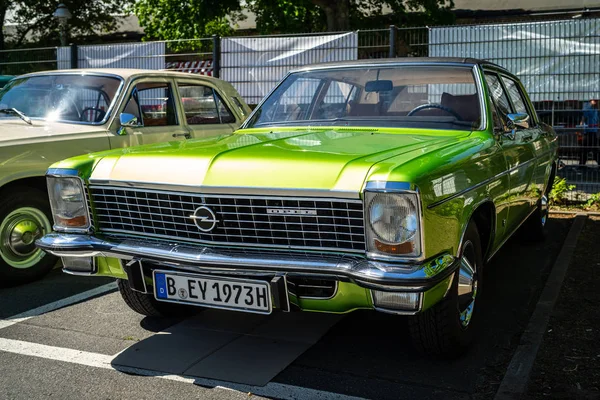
(439, 331)
(147, 305)
(11, 201)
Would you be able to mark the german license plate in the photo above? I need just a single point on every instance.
(226, 293)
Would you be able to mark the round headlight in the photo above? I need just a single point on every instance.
(393, 218)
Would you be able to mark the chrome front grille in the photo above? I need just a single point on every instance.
(283, 222)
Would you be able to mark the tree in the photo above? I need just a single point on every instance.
(33, 18)
(295, 16)
(177, 19)
(186, 19)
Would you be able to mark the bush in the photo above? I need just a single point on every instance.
(593, 201)
(559, 189)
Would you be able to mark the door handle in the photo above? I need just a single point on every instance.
(186, 135)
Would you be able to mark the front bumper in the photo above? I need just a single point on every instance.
(390, 276)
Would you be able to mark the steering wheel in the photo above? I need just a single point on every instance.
(434, 105)
(98, 113)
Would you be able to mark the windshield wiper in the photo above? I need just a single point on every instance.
(14, 111)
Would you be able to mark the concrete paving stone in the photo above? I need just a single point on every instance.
(219, 320)
(249, 360)
(174, 352)
(65, 338)
(297, 326)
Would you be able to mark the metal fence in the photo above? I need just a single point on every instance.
(17, 62)
(558, 62)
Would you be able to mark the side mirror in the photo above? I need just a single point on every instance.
(127, 120)
(515, 122)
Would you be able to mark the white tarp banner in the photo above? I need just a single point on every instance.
(254, 65)
(129, 55)
(557, 60)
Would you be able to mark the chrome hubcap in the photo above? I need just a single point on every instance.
(545, 209)
(467, 284)
(18, 233)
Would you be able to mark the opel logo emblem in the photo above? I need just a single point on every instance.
(204, 218)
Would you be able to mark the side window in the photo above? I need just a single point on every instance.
(498, 95)
(515, 95)
(202, 105)
(153, 105)
(224, 113)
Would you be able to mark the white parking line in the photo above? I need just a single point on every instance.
(272, 390)
(15, 319)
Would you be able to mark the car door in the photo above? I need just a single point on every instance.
(204, 109)
(538, 142)
(150, 106)
(518, 153)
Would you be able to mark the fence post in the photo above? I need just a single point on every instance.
(216, 56)
(74, 56)
(393, 36)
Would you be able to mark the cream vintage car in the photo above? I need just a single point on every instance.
(50, 116)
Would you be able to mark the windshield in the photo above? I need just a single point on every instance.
(65, 98)
(432, 97)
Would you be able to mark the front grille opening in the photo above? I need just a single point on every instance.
(313, 288)
(242, 220)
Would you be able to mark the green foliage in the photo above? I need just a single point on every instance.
(190, 19)
(559, 189)
(593, 201)
(33, 18)
(287, 16)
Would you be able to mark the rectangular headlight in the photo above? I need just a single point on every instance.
(392, 223)
(67, 200)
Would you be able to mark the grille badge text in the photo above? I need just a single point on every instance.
(290, 211)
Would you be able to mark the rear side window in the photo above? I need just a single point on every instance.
(515, 95)
(498, 95)
(203, 105)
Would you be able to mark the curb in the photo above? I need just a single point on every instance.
(514, 383)
(566, 212)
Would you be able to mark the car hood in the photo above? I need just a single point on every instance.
(327, 159)
(17, 131)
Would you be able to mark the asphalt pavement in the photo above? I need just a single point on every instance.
(67, 352)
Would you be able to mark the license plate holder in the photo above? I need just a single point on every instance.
(247, 295)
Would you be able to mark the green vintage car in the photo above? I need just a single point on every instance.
(49, 116)
(379, 184)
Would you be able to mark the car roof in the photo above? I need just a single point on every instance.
(124, 73)
(401, 61)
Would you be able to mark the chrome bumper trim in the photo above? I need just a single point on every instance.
(367, 273)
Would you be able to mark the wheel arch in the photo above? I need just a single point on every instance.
(36, 182)
(484, 216)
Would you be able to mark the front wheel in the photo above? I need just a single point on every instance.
(24, 218)
(447, 329)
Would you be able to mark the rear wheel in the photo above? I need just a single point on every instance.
(447, 329)
(534, 229)
(146, 304)
(24, 217)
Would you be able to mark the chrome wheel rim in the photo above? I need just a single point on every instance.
(18, 232)
(544, 209)
(467, 284)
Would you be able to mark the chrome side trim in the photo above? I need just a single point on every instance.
(227, 260)
(231, 191)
